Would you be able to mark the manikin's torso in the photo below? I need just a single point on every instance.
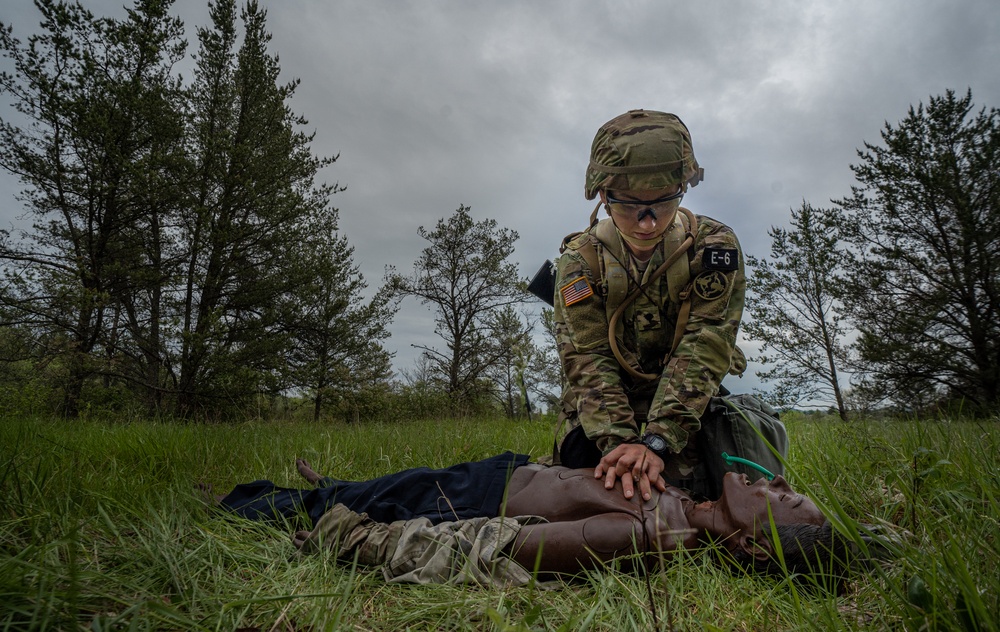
(587, 522)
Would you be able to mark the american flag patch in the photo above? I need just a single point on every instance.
(575, 291)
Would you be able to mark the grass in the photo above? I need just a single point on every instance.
(100, 528)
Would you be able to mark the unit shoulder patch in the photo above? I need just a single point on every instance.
(576, 290)
(710, 285)
(727, 259)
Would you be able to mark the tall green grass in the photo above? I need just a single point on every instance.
(101, 528)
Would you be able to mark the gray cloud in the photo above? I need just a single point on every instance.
(440, 103)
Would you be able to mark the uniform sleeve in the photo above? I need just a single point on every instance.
(590, 367)
(705, 352)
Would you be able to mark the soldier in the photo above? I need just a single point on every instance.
(647, 306)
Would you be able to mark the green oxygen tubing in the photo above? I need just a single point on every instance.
(736, 459)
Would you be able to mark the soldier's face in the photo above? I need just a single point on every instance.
(642, 215)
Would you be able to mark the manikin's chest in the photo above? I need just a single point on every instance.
(561, 495)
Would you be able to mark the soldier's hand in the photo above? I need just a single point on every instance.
(632, 463)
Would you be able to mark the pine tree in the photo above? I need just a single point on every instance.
(336, 336)
(253, 198)
(98, 139)
(170, 220)
(924, 225)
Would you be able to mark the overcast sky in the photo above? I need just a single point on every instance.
(435, 104)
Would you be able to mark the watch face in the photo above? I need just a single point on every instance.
(655, 443)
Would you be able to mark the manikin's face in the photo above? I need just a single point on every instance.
(744, 506)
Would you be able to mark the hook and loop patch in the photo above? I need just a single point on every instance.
(575, 291)
(711, 285)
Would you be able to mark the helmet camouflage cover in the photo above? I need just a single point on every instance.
(640, 150)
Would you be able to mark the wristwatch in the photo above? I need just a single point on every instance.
(656, 444)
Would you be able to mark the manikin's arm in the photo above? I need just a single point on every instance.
(474, 549)
(417, 551)
(569, 547)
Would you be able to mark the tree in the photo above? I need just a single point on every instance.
(101, 135)
(547, 369)
(515, 352)
(418, 395)
(528, 372)
(336, 338)
(168, 217)
(465, 276)
(793, 309)
(924, 223)
(253, 202)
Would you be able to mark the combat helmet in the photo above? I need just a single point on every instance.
(642, 149)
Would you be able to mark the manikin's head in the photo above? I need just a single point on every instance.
(746, 509)
(745, 514)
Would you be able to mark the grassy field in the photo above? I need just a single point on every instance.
(100, 528)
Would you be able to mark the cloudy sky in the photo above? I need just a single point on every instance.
(436, 103)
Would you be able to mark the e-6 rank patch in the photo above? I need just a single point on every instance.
(727, 259)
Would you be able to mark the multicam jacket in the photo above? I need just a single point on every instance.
(598, 394)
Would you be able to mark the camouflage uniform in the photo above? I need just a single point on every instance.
(607, 402)
(416, 551)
